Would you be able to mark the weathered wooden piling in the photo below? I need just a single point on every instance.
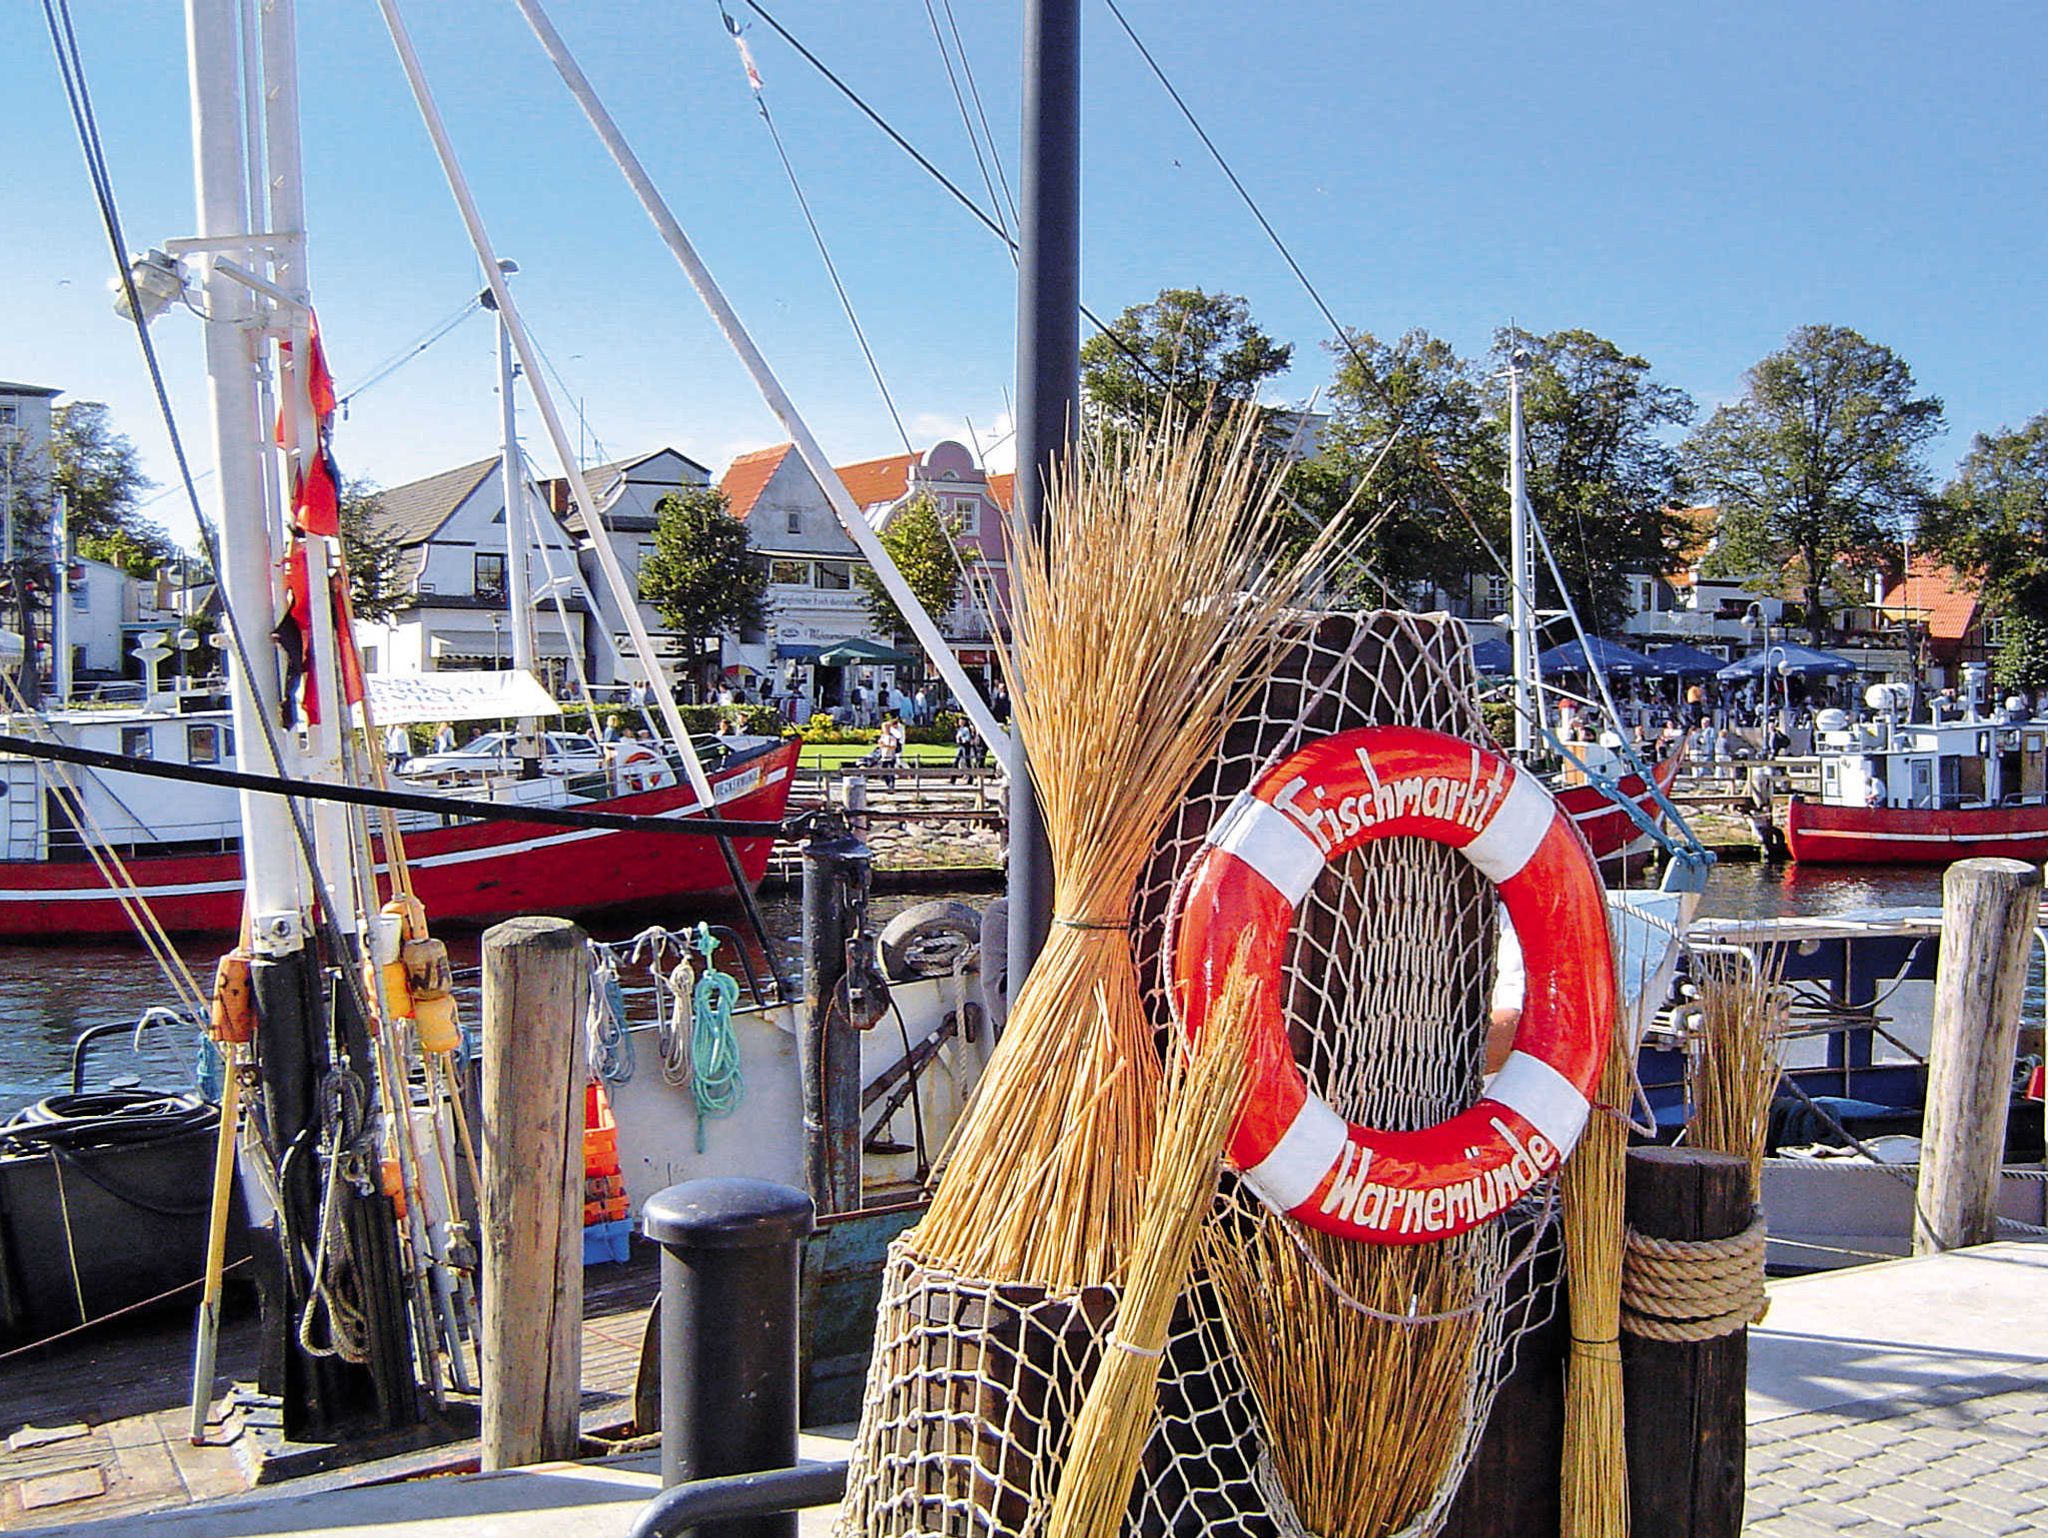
(1686, 1417)
(1988, 909)
(536, 992)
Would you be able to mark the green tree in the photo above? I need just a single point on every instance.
(137, 547)
(1601, 471)
(98, 471)
(1821, 457)
(1409, 449)
(379, 583)
(703, 576)
(1991, 524)
(923, 547)
(1195, 347)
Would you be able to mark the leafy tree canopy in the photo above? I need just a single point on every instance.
(1407, 442)
(138, 548)
(703, 576)
(1601, 472)
(378, 581)
(99, 472)
(1196, 347)
(923, 546)
(1820, 457)
(1991, 522)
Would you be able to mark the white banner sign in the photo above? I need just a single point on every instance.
(403, 699)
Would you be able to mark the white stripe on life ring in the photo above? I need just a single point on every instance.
(1542, 1096)
(1271, 843)
(1289, 1175)
(1511, 835)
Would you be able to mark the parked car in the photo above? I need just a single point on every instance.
(495, 753)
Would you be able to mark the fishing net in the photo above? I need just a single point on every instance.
(1308, 1385)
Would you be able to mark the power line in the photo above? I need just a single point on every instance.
(412, 350)
(966, 122)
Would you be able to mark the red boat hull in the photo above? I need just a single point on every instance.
(468, 874)
(1608, 829)
(1819, 834)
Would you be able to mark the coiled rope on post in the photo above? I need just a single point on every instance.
(716, 1084)
(1693, 1289)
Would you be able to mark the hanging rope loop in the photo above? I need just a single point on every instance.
(1693, 1289)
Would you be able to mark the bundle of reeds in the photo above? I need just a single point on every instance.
(1594, 1500)
(1204, 1089)
(1734, 1062)
(1363, 1412)
(1150, 608)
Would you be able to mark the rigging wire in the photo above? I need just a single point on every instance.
(817, 235)
(966, 122)
(974, 91)
(405, 355)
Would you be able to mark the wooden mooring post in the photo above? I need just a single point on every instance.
(1988, 909)
(536, 991)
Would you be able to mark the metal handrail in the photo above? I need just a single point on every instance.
(739, 1495)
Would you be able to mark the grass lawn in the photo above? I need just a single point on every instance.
(836, 755)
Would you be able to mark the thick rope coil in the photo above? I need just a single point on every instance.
(1693, 1289)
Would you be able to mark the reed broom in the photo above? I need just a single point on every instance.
(1734, 1060)
(1146, 613)
(1363, 1415)
(1204, 1090)
(1594, 1502)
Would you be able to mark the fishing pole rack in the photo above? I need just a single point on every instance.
(1290, 1398)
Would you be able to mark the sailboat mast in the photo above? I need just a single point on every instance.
(1521, 556)
(271, 867)
(1048, 378)
(512, 474)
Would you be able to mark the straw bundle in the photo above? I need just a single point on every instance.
(1734, 1062)
(1363, 1415)
(1148, 612)
(1595, 1494)
(1203, 1093)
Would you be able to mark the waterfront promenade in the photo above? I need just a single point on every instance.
(1905, 1397)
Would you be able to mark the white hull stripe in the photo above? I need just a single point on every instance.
(1307, 1151)
(1272, 844)
(1888, 835)
(1542, 1096)
(1511, 835)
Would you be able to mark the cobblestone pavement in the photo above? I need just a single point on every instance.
(1964, 1460)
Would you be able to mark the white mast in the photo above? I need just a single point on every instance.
(270, 860)
(60, 612)
(512, 475)
(1521, 580)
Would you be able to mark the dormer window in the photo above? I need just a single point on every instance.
(793, 523)
(490, 576)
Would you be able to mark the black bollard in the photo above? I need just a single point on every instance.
(729, 1260)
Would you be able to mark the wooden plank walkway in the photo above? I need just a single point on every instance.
(96, 1427)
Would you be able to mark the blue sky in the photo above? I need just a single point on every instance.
(1690, 181)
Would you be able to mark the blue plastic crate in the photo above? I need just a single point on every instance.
(607, 1241)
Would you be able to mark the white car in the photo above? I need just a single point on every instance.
(495, 753)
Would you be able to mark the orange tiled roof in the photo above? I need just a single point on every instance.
(748, 476)
(877, 480)
(1003, 488)
(1935, 597)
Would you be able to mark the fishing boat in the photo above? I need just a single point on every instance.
(179, 840)
(1894, 791)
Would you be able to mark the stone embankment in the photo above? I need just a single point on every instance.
(930, 825)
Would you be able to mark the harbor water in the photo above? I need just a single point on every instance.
(48, 994)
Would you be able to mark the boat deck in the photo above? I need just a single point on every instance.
(96, 1428)
(1910, 1396)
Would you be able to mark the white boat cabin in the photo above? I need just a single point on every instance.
(1984, 761)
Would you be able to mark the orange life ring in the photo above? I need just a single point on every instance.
(637, 769)
(1265, 854)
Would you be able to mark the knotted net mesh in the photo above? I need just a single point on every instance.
(1309, 1385)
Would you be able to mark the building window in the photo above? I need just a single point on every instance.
(136, 742)
(1994, 632)
(793, 523)
(81, 596)
(836, 575)
(490, 576)
(1498, 595)
(7, 414)
(202, 744)
(789, 573)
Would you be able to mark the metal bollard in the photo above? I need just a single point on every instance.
(729, 1262)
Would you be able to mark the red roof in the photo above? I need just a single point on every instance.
(1934, 596)
(748, 476)
(1003, 488)
(874, 481)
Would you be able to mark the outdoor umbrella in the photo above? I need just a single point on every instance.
(1494, 656)
(1783, 658)
(1615, 661)
(860, 654)
(1682, 661)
